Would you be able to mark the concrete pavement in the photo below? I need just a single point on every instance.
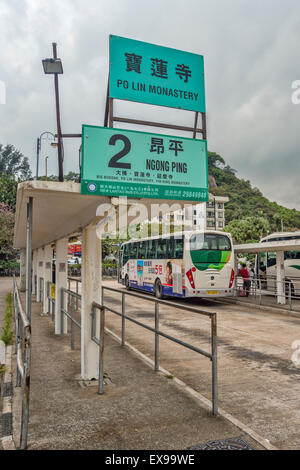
(258, 382)
(140, 409)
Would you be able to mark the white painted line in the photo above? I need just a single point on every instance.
(196, 395)
(7, 405)
(8, 443)
(2, 352)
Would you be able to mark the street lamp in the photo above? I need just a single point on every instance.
(54, 66)
(38, 149)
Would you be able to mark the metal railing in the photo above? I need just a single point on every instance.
(77, 281)
(23, 351)
(157, 333)
(263, 289)
(72, 297)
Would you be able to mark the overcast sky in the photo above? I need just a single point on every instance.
(251, 51)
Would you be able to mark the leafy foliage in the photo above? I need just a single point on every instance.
(13, 163)
(247, 202)
(8, 190)
(7, 332)
(248, 229)
(7, 220)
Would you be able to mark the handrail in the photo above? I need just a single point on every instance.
(23, 351)
(74, 297)
(157, 332)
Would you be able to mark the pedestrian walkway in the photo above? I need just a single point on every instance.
(140, 409)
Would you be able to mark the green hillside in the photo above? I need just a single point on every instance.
(249, 215)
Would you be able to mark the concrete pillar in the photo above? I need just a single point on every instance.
(91, 270)
(280, 277)
(47, 274)
(40, 272)
(61, 280)
(34, 271)
(23, 270)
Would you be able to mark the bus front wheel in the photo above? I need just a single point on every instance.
(158, 289)
(127, 283)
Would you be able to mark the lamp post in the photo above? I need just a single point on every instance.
(54, 66)
(38, 149)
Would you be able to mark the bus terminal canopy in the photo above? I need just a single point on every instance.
(60, 210)
(268, 246)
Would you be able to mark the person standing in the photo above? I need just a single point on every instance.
(246, 279)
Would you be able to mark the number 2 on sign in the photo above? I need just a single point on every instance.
(114, 161)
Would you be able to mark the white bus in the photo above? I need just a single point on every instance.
(266, 264)
(183, 264)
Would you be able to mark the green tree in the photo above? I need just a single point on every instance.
(72, 176)
(8, 190)
(7, 221)
(248, 229)
(13, 163)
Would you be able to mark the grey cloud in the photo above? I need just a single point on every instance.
(251, 58)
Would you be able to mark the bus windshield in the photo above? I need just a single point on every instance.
(209, 241)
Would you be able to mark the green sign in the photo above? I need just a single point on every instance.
(147, 73)
(117, 162)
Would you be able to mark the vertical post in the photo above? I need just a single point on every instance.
(204, 126)
(62, 315)
(101, 352)
(38, 148)
(61, 274)
(195, 124)
(59, 138)
(156, 362)
(47, 277)
(280, 277)
(106, 105)
(110, 112)
(23, 270)
(34, 271)
(290, 294)
(91, 292)
(77, 294)
(259, 281)
(25, 391)
(40, 273)
(29, 258)
(72, 324)
(214, 364)
(123, 319)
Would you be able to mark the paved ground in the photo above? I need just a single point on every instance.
(258, 383)
(139, 410)
(6, 285)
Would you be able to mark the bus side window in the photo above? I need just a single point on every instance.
(125, 254)
(162, 248)
(271, 259)
(133, 251)
(151, 251)
(170, 248)
(178, 248)
(141, 250)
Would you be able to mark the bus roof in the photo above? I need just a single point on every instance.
(277, 236)
(178, 234)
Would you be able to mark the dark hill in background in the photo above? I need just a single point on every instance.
(248, 214)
